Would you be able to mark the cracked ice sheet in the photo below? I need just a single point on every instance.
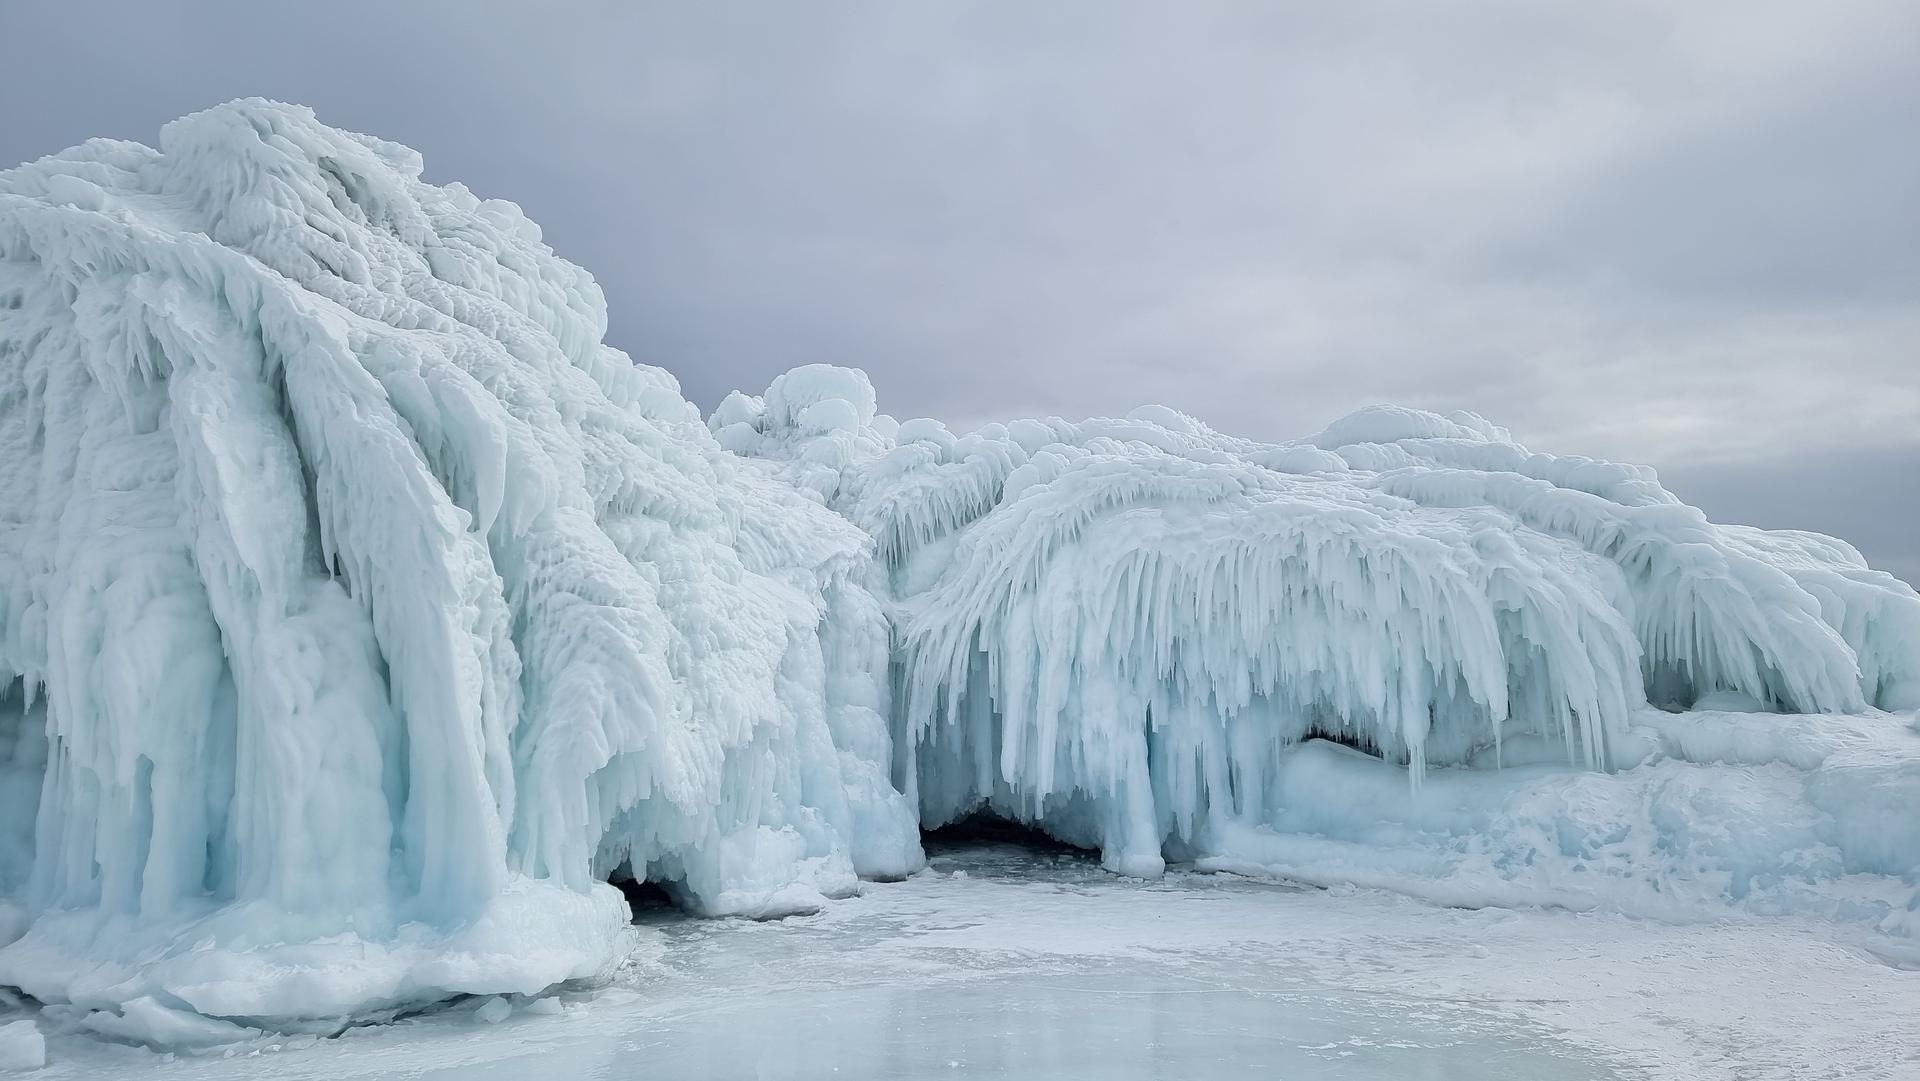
(1041, 965)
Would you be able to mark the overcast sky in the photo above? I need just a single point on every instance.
(1681, 234)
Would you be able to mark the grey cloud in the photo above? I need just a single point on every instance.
(1876, 509)
(1683, 234)
(1812, 204)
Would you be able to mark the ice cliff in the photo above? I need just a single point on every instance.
(361, 613)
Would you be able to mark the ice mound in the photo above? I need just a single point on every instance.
(360, 611)
(1127, 631)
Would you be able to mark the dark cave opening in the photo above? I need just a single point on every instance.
(984, 829)
(1349, 739)
(645, 900)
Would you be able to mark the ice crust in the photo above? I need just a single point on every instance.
(361, 613)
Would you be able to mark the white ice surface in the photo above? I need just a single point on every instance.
(1025, 968)
(22, 1047)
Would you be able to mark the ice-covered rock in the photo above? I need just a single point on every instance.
(358, 606)
(1122, 630)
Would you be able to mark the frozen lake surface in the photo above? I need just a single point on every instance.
(1006, 962)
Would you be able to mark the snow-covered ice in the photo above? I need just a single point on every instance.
(998, 962)
(362, 614)
(22, 1047)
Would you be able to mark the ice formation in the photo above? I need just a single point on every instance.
(21, 1046)
(1120, 630)
(361, 613)
(356, 602)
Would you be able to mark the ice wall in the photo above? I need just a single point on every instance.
(353, 592)
(1121, 629)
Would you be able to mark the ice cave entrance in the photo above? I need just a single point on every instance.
(989, 831)
(644, 899)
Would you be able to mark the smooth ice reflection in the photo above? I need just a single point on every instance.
(958, 998)
(1122, 1021)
